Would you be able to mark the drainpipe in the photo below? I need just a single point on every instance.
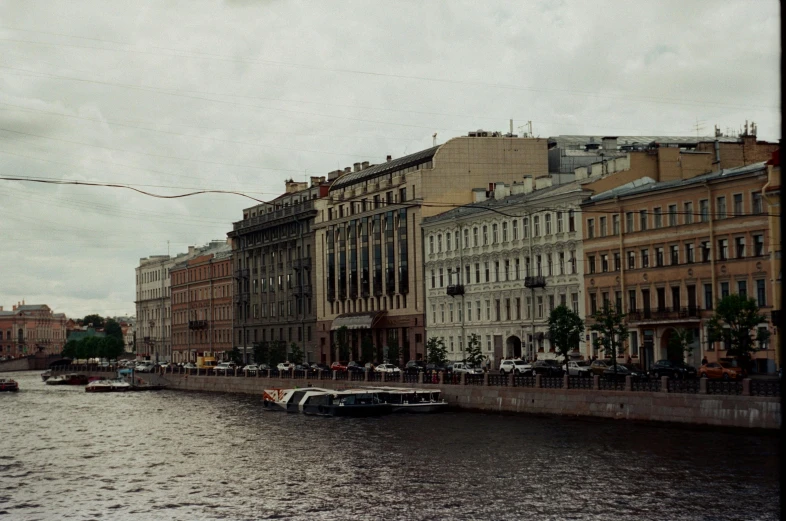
(714, 275)
(532, 259)
(464, 289)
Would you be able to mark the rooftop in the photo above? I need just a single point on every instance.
(388, 166)
(577, 140)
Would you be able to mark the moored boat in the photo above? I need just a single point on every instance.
(8, 385)
(45, 375)
(413, 400)
(67, 379)
(288, 399)
(104, 385)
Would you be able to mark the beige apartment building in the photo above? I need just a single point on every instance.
(369, 246)
(665, 250)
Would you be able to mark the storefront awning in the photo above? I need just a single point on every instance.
(356, 320)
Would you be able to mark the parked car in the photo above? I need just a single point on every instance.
(463, 367)
(515, 366)
(354, 367)
(415, 367)
(598, 366)
(223, 367)
(144, 368)
(387, 368)
(303, 367)
(547, 368)
(285, 366)
(721, 370)
(578, 368)
(673, 369)
(251, 369)
(338, 366)
(189, 365)
(320, 367)
(436, 367)
(622, 372)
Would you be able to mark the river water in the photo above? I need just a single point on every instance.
(67, 454)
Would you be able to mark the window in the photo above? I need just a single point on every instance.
(689, 253)
(642, 220)
(488, 310)
(617, 261)
(525, 227)
(720, 210)
(515, 226)
(496, 271)
(475, 236)
(548, 224)
(518, 269)
(705, 251)
(593, 303)
(540, 307)
(724, 289)
(536, 226)
(645, 258)
(675, 255)
(573, 261)
(466, 238)
(494, 234)
(485, 235)
(402, 194)
(761, 293)
(442, 312)
(629, 222)
(486, 266)
(631, 300)
(439, 242)
(708, 297)
(602, 226)
(631, 260)
(738, 210)
(507, 309)
(539, 264)
(562, 263)
(505, 232)
(723, 249)
(518, 308)
(742, 288)
(615, 224)
(739, 247)
(590, 228)
(559, 223)
(467, 278)
(575, 302)
(431, 244)
(591, 263)
(447, 242)
(672, 215)
(441, 278)
(688, 213)
(658, 256)
(604, 262)
(758, 245)
(704, 210)
(433, 279)
(571, 221)
(658, 218)
(469, 311)
(758, 207)
(477, 273)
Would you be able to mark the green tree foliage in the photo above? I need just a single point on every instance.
(612, 331)
(96, 320)
(113, 329)
(236, 356)
(680, 344)
(436, 352)
(262, 353)
(107, 347)
(295, 353)
(565, 330)
(474, 353)
(734, 319)
(69, 350)
(342, 343)
(367, 349)
(278, 352)
(394, 355)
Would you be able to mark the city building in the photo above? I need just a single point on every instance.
(275, 280)
(31, 328)
(201, 299)
(369, 247)
(153, 302)
(497, 267)
(665, 249)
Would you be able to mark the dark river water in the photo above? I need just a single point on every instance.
(66, 454)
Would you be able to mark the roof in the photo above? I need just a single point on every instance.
(32, 307)
(388, 166)
(646, 184)
(577, 140)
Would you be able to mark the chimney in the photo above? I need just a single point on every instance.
(527, 184)
(315, 180)
(13, 307)
(1, 308)
(347, 169)
(357, 167)
(364, 165)
(501, 191)
(389, 159)
(478, 195)
(516, 188)
(610, 143)
(334, 174)
(542, 182)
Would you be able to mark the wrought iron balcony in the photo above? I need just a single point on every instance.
(537, 281)
(197, 324)
(455, 289)
(664, 314)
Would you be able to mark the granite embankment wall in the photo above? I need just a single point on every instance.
(759, 412)
(17, 364)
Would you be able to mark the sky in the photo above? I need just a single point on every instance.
(240, 95)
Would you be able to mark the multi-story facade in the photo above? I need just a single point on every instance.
(666, 251)
(369, 247)
(496, 268)
(31, 328)
(153, 302)
(202, 289)
(275, 284)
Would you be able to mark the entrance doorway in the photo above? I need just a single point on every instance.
(513, 347)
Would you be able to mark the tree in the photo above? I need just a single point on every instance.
(261, 353)
(278, 352)
(97, 321)
(342, 343)
(69, 350)
(436, 353)
(612, 331)
(113, 329)
(565, 329)
(236, 356)
(394, 353)
(680, 344)
(367, 349)
(295, 353)
(734, 319)
(474, 354)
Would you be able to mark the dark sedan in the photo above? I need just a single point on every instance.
(547, 368)
(677, 370)
(622, 372)
(355, 367)
(415, 367)
(436, 367)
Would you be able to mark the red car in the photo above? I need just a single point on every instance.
(338, 366)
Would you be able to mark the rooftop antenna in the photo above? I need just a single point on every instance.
(698, 127)
(167, 248)
(434, 137)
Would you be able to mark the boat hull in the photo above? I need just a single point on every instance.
(420, 408)
(9, 387)
(358, 411)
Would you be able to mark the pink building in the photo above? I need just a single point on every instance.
(28, 329)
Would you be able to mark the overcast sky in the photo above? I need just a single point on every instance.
(242, 94)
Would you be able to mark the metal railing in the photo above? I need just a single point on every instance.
(765, 388)
(651, 385)
(580, 382)
(723, 387)
(684, 386)
(499, 380)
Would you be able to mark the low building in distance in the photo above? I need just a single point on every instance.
(28, 329)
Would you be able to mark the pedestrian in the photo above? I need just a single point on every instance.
(704, 360)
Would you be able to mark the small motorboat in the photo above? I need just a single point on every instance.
(104, 385)
(68, 379)
(403, 399)
(8, 385)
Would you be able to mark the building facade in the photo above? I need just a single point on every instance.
(664, 252)
(275, 281)
(202, 306)
(31, 328)
(369, 247)
(498, 267)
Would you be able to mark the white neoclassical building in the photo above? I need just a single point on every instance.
(497, 267)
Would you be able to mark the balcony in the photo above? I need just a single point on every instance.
(197, 324)
(537, 281)
(688, 313)
(455, 289)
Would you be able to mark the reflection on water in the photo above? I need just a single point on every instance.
(67, 454)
